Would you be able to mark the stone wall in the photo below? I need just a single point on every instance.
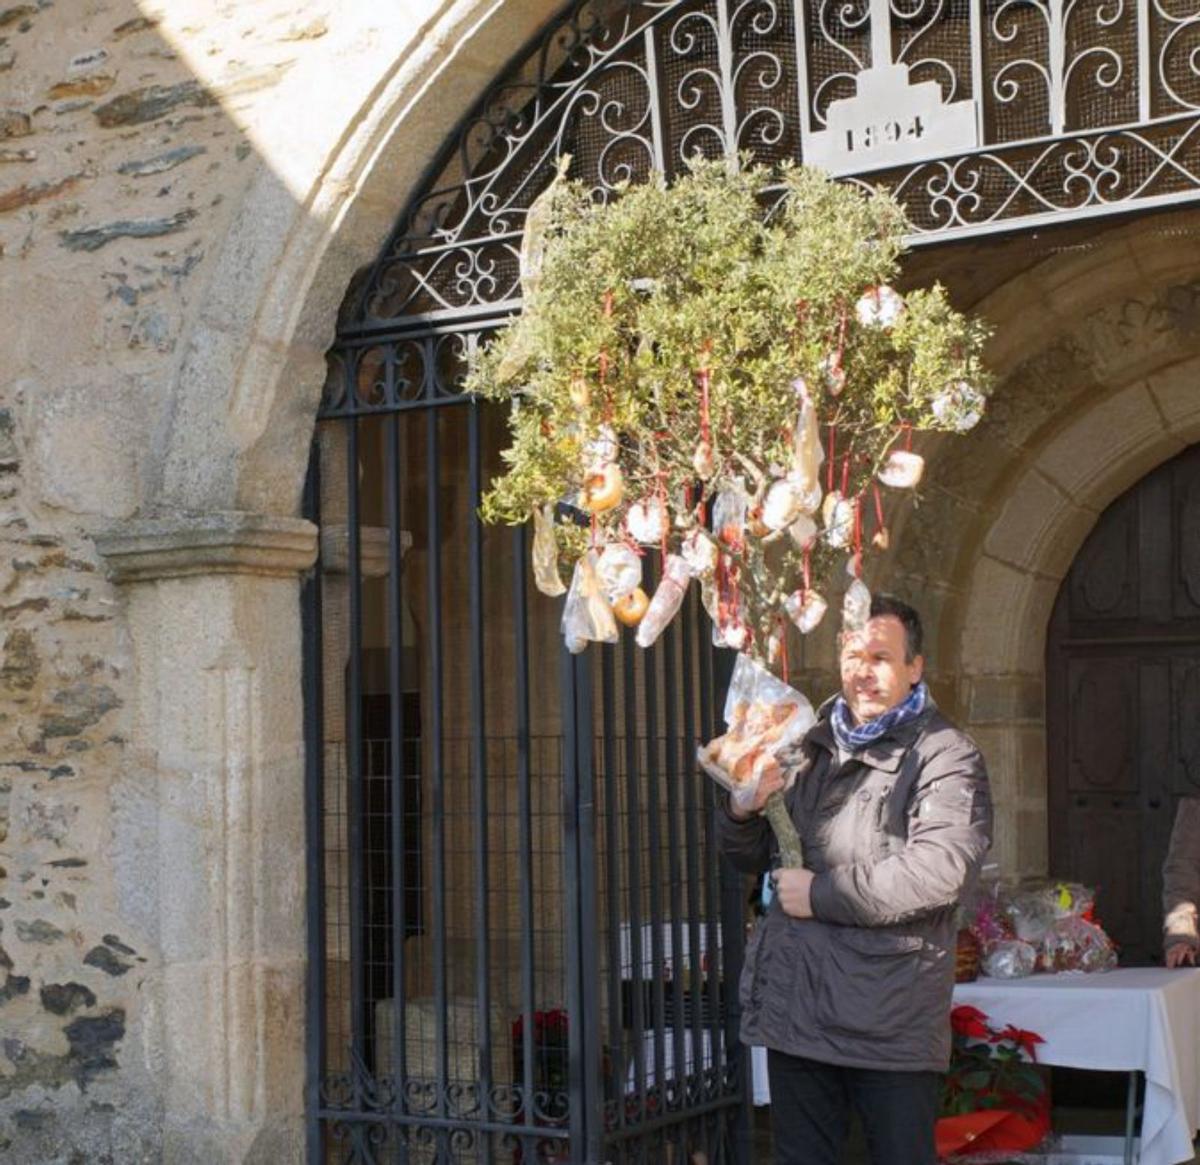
(186, 190)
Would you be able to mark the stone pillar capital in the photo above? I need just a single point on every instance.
(225, 542)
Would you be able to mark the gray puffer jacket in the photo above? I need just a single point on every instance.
(893, 836)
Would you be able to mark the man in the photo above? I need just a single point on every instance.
(847, 979)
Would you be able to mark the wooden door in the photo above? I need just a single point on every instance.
(1123, 700)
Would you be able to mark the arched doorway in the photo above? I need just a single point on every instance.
(1123, 699)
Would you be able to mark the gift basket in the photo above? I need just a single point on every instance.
(1036, 926)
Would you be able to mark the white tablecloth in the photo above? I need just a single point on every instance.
(1145, 1019)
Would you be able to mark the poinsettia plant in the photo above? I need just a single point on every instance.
(990, 1068)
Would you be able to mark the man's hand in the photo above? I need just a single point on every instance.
(1181, 954)
(770, 780)
(793, 888)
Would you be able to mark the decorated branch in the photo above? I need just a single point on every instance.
(718, 370)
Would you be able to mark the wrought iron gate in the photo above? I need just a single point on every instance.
(522, 945)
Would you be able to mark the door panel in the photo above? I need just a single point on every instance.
(1123, 700)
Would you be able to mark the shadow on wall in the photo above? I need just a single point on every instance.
(120, 173)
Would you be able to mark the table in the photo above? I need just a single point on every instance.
(1135, 1019)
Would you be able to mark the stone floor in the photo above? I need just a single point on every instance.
(1107, 1122)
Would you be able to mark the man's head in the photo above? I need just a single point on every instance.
(881, 663)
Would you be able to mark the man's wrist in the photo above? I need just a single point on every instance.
(736, 814)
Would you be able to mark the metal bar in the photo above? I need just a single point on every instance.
(354, 782)
(397, 792)
(483, 959)
(1057, 52)
(725, 68)
(714, 922)
(700, 951)
(977, 85)
(589, 951)
(525, 821)
(612, 865)
(671, 776)
(354, 746)
(881, 34)
(576, 1116)
(633, 816)
(803, 103)
(437, 773)
(444, 1124)
(1145, 83)
(654, 840)
(314, 819)
(657, 139)
(732, 945)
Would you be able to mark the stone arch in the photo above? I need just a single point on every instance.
(236, 431)
(1085, 408)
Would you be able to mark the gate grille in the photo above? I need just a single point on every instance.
(523, 946)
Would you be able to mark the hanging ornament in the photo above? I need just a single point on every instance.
(834, 373)
(587, 617)
(699, 551)
(775, 647)
(783, 504)
(856, 606)
(881, 539)
(879, 307)
(619, 570)
(958, 407)
(603, 490)
(803, 532)
(902, 469)
(668, 598)
(647, 521)
(737, 636)
(838, 516)
(631, 608)
(580, 393)
(601, 450)
(545, 552)
(807, 454)
(806, 609)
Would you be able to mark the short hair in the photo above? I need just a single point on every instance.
(914, 634)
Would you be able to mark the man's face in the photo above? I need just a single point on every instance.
(874, 674)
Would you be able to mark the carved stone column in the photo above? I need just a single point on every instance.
(214, 614)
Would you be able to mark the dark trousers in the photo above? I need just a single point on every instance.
(811, 1105)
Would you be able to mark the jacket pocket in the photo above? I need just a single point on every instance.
(866, 985)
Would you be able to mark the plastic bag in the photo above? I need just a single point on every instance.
(729, 517)
(647, 521)
(766, 719)
(1009, 959)
(1031, 912)
(1074, 944)
(806, 609)
(668, 597)
(587, 617)
(545, 552)
(699, 551)
(807, 453)
(856, 606)
(837, 513)
(619, 570)
(784, 503)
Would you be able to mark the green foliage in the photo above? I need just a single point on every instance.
(754, 274)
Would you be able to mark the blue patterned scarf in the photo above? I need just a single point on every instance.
(851, 737)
